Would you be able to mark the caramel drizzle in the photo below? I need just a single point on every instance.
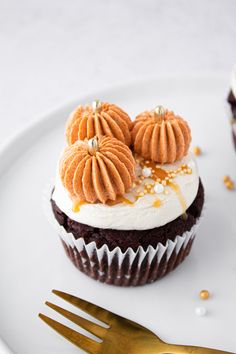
(77, 205)
(157, 203)
(157, 174)
(119, 200)
(180, 196)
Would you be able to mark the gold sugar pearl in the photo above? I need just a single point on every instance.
(197, 151)
(227, 178)
(204, 294)
(229, 183)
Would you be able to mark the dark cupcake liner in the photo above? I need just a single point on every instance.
(234, 132)
(232, 102)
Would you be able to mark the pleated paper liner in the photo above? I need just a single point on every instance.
(129, 268)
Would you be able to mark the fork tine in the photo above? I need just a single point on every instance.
(80, 321)
(81, 341)
(93, 310)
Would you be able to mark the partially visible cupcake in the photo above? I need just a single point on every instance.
(129, 216)
(232, 102)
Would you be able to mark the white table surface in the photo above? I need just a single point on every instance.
(52, 51)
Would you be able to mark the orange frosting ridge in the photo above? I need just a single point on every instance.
(98, 119)
(160, 136)
(97, 170)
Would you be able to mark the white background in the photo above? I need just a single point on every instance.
(52, 51)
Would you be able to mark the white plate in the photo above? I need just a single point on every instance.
(32, 261)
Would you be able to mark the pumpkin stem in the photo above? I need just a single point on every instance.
(159, 112)
(97, 104)
(93, 145)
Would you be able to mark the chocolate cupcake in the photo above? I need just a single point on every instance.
(129, 216)
(232, 102)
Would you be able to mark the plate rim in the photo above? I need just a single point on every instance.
(7, 146)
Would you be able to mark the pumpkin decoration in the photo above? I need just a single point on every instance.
(97, 170)
(160, 136)
(98, 119)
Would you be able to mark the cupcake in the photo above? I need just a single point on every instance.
(127, 209)
(232, 102)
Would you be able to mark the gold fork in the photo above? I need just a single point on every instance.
(121, 335)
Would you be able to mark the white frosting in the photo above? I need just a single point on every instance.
(233, 81)
(142, 214)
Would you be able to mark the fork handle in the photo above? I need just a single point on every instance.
(186, 349)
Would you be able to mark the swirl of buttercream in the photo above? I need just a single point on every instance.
(160, 136)
(97, 170)
(98, 119)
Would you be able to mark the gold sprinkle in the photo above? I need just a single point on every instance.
(226, 178)
(204, 294)
(197, 151)
(166, 192)
(229, 183)
(163, 183)
(141, 194)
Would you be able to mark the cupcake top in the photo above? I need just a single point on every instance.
(151, 202)
(103, 183)
(233, 81)
(98, 119)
